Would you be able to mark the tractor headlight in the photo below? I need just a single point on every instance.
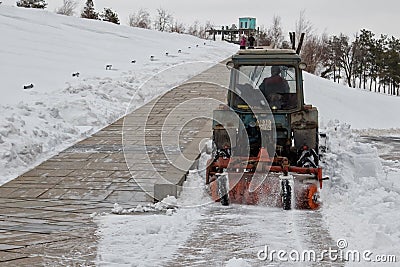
(230, 65)
(302, 65)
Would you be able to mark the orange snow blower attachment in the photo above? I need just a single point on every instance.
(234, 185)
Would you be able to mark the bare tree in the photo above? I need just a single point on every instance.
(275, 32)
(68, 8)
(263, 37)
(302, 25)
(163, 20)
(207, 26)
(199, 30)
(140, 19)
(194, 29)
(178, 27)
(314, 49)
(315, 52)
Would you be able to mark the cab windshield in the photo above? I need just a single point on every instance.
(275, 84)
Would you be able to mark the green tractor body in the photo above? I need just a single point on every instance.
(266, 137)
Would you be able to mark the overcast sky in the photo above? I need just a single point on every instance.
(334, 17)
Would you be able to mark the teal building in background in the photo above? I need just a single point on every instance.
(247, 23)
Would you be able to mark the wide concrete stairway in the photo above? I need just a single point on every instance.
(46, 215)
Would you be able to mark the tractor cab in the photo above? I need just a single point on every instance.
(275, 74)
(266, 88)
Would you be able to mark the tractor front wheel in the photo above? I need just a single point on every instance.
(286, 195)
(223, 189)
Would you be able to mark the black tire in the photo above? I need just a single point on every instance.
(286, 195)
(225, 200)
(223, 191)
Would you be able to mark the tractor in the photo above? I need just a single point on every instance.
(265, 138)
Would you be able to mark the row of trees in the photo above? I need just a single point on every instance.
(90, 13)
(32, 3)
(164, 21)
(69, 6)
(367, 61)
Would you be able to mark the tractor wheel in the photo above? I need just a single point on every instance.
(225, 200)
(286, 195)
(223, 190)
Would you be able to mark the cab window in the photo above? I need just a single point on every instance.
(277, 83)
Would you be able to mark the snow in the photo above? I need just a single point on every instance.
(45, 49)
(361, 109)
(361, 204)
(153, 238)
(147, 239)
(237, 262)
(361, 201)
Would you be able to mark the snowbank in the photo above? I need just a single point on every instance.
(45, 49)
(361, 201)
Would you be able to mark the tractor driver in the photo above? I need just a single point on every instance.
(272, 87)
(274, 84)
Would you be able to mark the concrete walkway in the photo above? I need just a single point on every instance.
(46, 213)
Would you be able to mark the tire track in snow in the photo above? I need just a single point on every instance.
(241, 232)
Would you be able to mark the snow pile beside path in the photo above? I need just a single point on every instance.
(361, 202)
(44, 48)
(168, 204)
(151, 239)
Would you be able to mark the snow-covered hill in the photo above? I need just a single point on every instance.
(44, 49)
(361, 109)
